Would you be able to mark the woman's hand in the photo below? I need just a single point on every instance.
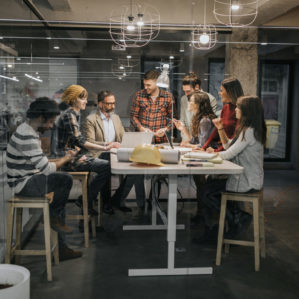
(82, 159)
(210, 150)
(198, 149)
(217, 123)
(178, 124)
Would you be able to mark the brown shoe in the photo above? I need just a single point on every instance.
(58, 225)
(66, 253)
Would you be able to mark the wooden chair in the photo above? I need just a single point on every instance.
(258, 243)
(83, 178)
(51, 237)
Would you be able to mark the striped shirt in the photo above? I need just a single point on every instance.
(25, 158)
(150, 114)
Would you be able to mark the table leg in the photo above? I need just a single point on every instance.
(171, 238)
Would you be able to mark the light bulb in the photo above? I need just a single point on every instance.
(204, 38)
(235, 7)
(129, 56)
(121, 67)
(171, 57)
(130, 27)
(140, 20)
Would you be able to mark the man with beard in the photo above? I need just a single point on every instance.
(105, 127)
(151, 108)
(29, 172)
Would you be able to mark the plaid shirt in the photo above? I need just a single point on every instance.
(69, 134)
(151, 114)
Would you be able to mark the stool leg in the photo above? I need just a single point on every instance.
(18, 233)
(262, 227)
(256, 234)
(85, 211)
(221, 229)
(9, 233)
(47, 241)
(55, 245)
(99, 211)
(93, 226)
(226, 246)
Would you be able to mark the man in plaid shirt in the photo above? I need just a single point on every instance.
(151, 108)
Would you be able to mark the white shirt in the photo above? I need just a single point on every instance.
(109, 128)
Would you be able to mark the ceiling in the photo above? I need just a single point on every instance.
(173, 13)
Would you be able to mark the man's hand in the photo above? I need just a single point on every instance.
(160, 132)
(82, 159)
(143, 129)
(112, 145)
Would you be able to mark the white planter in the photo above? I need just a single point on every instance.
(19, 277)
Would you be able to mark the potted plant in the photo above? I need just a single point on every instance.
(15, 282)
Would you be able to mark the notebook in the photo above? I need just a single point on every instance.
(132, 139)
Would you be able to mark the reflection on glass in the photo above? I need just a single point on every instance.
(274, 94)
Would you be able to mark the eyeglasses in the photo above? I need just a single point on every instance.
(109, 104)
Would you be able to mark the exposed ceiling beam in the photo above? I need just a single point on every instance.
(36, 12)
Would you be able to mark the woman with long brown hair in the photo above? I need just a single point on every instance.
(230, 90)
(247, 150)
(201, 126)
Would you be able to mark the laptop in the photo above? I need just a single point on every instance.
(132, 139)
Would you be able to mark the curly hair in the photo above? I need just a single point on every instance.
(252, 115)
(44, 107)
(203, 104)
(73, 92)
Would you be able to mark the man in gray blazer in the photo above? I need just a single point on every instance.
(104, 127)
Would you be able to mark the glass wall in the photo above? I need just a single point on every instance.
(275, 91)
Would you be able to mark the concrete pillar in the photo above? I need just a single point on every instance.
(241, 58)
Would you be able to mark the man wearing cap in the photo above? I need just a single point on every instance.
(29, 173)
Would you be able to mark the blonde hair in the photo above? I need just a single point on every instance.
(73, 92)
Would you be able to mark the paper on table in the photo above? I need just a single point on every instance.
(200, 155)
(167, 156)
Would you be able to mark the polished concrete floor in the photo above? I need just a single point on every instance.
(102, 272)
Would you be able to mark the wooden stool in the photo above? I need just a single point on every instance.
(51, 237)
(83, 178)
(259, 243)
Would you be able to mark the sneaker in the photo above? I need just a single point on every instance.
(125, 209)
(58, 225)
(236, 230)
(108, 209)
(66, 253)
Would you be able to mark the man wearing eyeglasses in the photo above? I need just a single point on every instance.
(105, 127)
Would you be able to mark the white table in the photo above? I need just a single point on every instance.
(172, 170)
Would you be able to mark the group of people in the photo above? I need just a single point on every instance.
(238, 135)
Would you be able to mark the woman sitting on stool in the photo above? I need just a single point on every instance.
(247, 150)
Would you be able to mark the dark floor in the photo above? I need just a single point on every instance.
(102, 272)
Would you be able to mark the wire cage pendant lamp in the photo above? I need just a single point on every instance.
(203, 36)
(235, 13)
(135, 25)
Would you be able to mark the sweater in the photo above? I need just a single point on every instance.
(248, 153)
(229, 121)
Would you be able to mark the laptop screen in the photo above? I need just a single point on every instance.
(132, 139)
